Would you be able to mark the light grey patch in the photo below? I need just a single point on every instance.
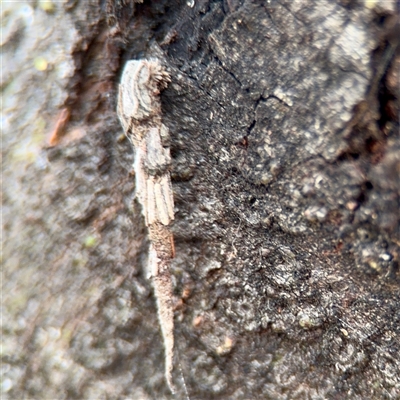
(139, 111)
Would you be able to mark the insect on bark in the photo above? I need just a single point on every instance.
(139, 110)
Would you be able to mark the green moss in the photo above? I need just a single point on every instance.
(90, 241)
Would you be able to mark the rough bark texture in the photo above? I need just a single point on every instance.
(286, 161)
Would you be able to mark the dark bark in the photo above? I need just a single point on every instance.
(286, 158)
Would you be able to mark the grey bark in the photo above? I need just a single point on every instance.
(284, 136)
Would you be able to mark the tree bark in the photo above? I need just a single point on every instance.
(285, 149)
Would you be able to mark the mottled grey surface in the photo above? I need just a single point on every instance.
(286, 158)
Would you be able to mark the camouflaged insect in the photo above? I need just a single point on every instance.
(139, 110)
